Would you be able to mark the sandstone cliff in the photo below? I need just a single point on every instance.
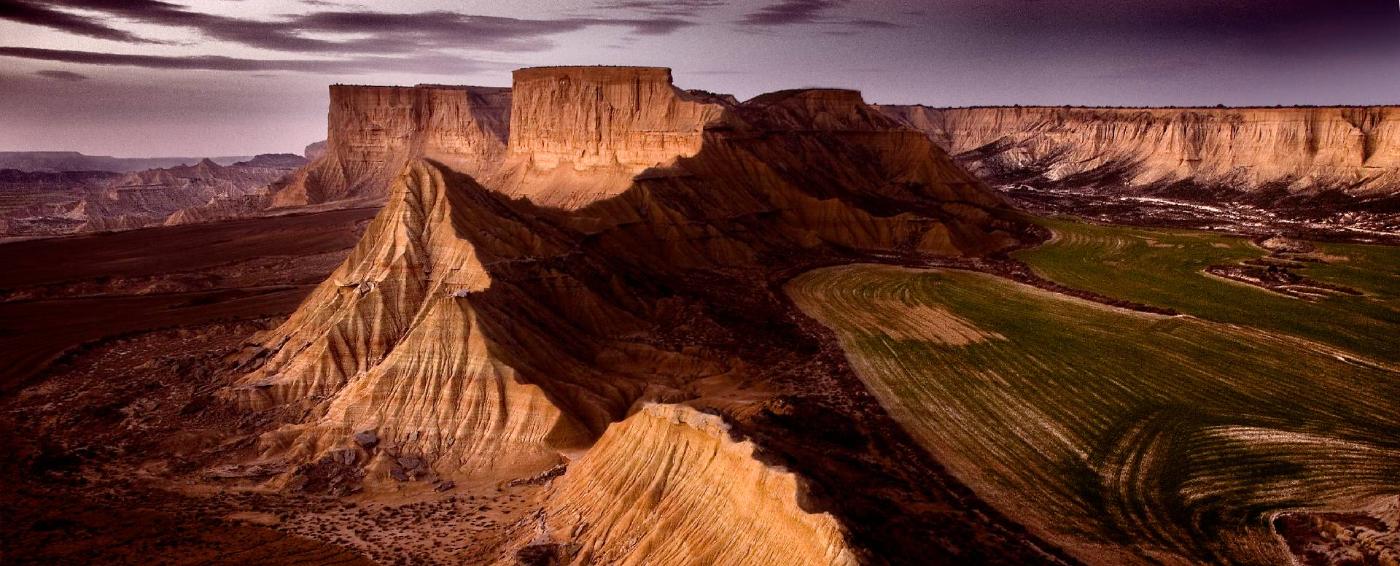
(1271, 153)
(373, 131)
(669, 485)
(581, 134)
(491, 320)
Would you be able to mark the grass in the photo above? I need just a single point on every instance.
(1122, 437)
(1164, 268)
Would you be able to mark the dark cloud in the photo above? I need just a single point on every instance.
(62, 75)
(802, 12)
(790, 12)
(385, 31)
(364, 31)
(429, 64)
(40, 15)
(676, 8)
(871, 24)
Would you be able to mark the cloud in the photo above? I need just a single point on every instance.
(790, 12)
(803, 12)
(361, 31)
(675, 8)
(39, 15)
(62, 75)
(428, 64)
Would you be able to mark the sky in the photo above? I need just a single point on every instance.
(240, 77)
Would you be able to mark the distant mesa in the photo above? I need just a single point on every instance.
(1274, 152)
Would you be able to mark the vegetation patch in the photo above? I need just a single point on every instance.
(1127, 437)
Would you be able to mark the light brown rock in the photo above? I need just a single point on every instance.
(1356, 149)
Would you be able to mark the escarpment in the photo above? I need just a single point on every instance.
(1264, 154)
(581, 134)
(488, 322)
(668, 477)
(374, 130)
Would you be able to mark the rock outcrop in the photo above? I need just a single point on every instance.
(491, 320)
(1262, 154)
(374, 130)
(581, 134)
(669, 477)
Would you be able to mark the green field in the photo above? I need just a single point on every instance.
(1132, 438)
(1164, 268)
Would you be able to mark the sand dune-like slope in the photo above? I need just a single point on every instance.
(669, 485)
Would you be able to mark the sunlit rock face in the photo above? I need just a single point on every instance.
(1300, 150)
(374, 130)
(580, 134)
(670, 485)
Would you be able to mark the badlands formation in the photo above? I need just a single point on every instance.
(1318, 173)
(59, 203)
(1286, 150)
(591, 300)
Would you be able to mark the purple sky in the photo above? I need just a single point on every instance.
(229, 77)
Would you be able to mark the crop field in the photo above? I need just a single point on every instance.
(1119, 436)
(1164, 268)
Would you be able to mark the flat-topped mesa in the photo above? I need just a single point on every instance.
(604, 116)
(373, 131)
(578, 134)
(1356, 149)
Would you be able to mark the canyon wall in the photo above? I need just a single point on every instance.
(1284, 150)
(374, 130)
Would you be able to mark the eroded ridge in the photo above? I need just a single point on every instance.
(390, 346)
(670, 485)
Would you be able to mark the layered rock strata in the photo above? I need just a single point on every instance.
(1278, 151)
(669, 477)
(581, 134)
(373, 131)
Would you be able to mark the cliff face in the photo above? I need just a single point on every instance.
(373, 131)
(1289, 150)
(481, 334)
(581, 134)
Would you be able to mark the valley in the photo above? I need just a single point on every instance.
(1130, 437)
